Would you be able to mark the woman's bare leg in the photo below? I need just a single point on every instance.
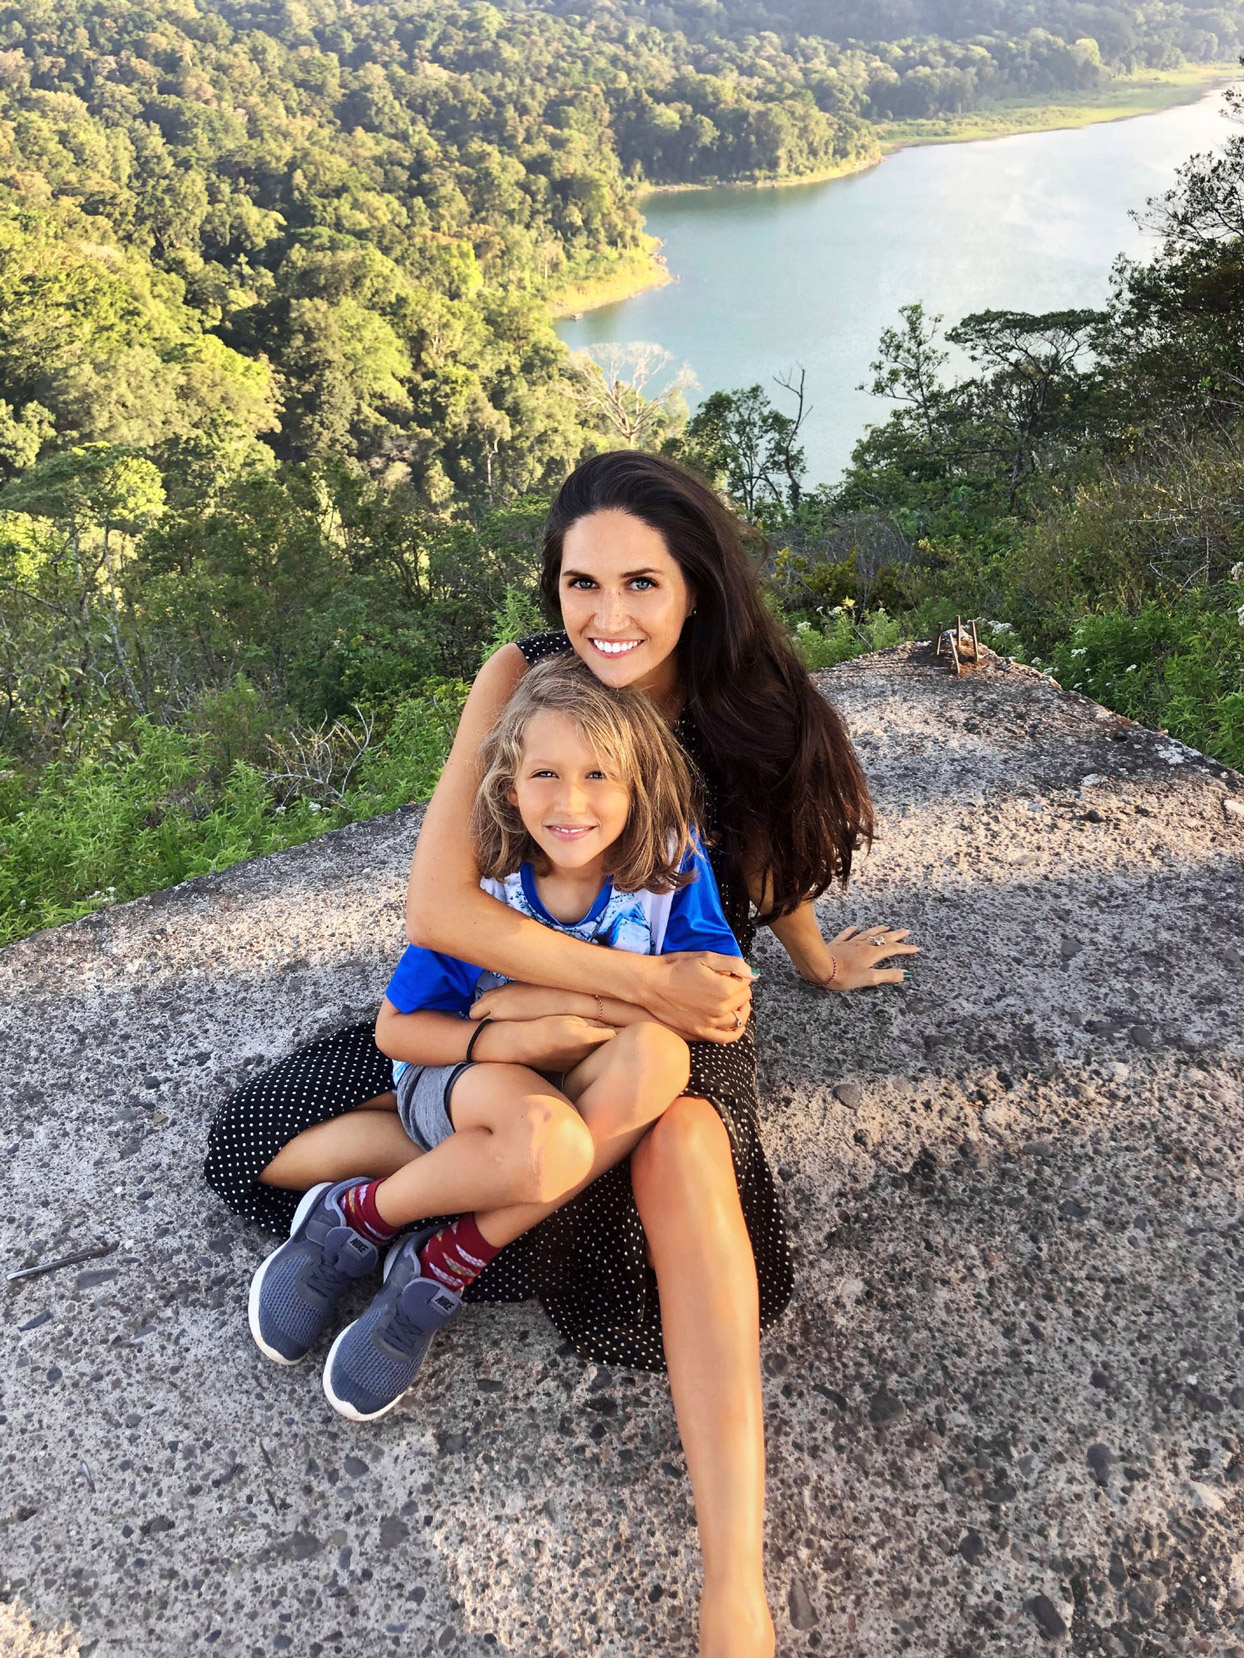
(688, 1199)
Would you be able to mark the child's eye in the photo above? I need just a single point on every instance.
(544, 771)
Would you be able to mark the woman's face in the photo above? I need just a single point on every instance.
(624, 601)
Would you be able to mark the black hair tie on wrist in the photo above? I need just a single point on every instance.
(479, 1029)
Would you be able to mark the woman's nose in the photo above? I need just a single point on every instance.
(610, 609)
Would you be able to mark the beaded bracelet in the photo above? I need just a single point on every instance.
(833, 972)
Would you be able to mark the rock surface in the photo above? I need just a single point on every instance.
(1004, 1409)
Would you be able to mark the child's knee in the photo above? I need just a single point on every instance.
(648, 1067)
(657, 1056)
(552, 1149)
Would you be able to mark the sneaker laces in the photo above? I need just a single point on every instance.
(326, 1279)
(403, 1334)
(331, 1273)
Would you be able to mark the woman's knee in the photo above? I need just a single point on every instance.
(686, 1149)
(551, 1147)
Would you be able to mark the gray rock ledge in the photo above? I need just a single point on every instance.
(1005, 1407)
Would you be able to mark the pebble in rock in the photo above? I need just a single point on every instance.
(802, 1612)
(849, 1094)
(1049, 1618)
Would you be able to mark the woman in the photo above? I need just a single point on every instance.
(648, 572)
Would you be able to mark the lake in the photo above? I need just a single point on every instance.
(811, 274)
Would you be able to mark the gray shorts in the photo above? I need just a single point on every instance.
(423, 1101)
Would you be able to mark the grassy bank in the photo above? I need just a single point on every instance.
(858, 164)
(1126, 98)
(632, 273)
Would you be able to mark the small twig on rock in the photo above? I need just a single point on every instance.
(62, 1261)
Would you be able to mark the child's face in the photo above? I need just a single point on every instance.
(573, 802)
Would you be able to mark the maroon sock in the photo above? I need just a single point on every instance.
(358, 1205)
(457, 1254)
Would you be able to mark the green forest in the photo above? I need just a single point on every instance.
(281, 404)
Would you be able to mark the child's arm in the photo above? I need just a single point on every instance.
(424, 1037)
(535, 1001)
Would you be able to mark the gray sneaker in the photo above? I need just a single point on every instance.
(374, 1360)
(294, 1292)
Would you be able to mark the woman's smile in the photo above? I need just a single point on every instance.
(615, 647)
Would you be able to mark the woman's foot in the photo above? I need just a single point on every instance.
(735, 1622)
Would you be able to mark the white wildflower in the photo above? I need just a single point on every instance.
(1237, 572)
(1132, 669)
(314, 806)
(1083, 651)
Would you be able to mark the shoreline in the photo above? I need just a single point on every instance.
(637, 273)
(1006, 120)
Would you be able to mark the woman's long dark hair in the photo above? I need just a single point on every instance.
(795, 803)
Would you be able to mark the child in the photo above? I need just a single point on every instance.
(513, 1097)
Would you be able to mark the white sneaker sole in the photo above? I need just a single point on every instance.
(342, 1406)
(252, 1306)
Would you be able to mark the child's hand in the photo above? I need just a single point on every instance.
(526, 1001)
(556, 1042)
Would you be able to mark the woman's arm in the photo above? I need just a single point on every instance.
(430, 1038)
(446, 910)
(848, 961)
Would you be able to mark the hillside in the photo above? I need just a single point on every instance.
(1004, 1410)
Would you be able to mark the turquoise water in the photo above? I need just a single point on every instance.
(811, 274)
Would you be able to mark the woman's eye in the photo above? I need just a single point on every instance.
(643, 583)
(580, 582)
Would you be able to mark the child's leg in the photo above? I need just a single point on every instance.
(516, 1139)
(620, 1091)
(369, 1140)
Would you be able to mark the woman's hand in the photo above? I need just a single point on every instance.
(703, 996)
(850, 960)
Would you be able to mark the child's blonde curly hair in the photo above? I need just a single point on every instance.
(623, 727)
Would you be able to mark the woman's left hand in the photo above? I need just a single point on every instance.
(851, 960)
(854, 954)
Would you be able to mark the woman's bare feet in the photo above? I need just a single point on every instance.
(735, 1622)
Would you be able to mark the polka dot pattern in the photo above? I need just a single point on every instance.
(586, 1263)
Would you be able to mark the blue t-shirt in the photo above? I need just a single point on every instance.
(646, 923)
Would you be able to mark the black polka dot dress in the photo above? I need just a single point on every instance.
(587, 1262)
